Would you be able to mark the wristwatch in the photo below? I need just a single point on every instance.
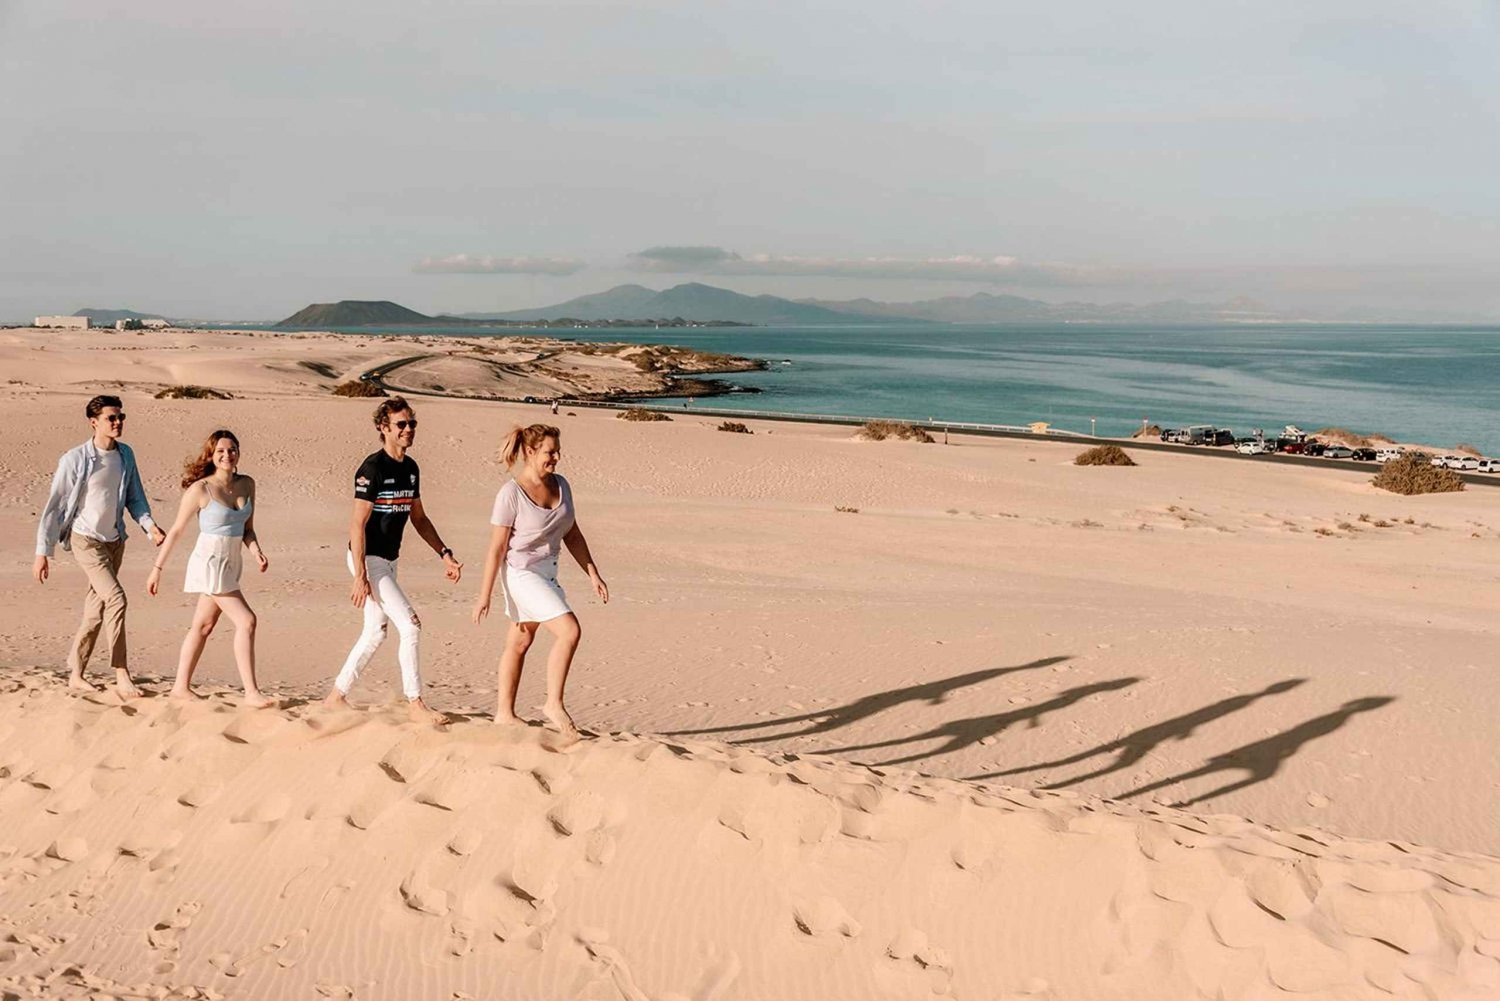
(446, 552)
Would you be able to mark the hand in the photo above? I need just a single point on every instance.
(481, 609)
(600, 588)
(40, 570)
(452, 569)
(260, 558)
(157, 535)
(153, 582)
(360, 591)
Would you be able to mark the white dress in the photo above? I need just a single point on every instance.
(218, 557)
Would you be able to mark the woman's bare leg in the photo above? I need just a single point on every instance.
(242, 615)
(205, 617)
(565, 636)
(518, 639)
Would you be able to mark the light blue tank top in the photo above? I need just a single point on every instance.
(215, 518)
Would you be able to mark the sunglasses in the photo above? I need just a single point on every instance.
(115, 418)
(403, 425)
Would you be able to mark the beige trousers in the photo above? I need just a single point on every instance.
(103, 606)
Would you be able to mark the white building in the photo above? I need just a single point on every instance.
(65, 322)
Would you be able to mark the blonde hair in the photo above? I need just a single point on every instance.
(526, 438)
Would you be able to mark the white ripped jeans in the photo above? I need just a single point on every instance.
(386, 601)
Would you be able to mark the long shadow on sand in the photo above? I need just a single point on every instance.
(1132, 747)
(961, 733)
(1262, 759)
(826, 720)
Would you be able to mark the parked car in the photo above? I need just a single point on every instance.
(1251, 446)
(1223, 436)
(1387, 454)
(1170, 434)
(1313, 448)
(1449, 461)
(1290, 447)
(1338, 452)
(1365, 454)
(1488, 466)
(1467, 463)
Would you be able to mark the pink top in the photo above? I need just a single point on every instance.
(537, 531)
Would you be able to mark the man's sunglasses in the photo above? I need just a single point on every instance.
(403, 425)
(114, 418)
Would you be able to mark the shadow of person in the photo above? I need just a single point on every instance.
(961, 733)
(825, 720)
(1131, 748)
(1262, 759)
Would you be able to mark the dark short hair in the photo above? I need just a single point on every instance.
(98, 403)
(394, 405)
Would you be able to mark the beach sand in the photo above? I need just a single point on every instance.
(825, 734)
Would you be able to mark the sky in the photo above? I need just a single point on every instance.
(238, 161)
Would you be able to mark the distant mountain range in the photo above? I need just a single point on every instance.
(691, 301)
(695, 301)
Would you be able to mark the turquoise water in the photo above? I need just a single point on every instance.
(1438, 385)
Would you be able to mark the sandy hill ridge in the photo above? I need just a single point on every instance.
(168, 851)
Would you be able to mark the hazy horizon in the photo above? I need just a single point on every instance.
(240, 163)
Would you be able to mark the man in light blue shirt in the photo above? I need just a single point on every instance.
(93, 488)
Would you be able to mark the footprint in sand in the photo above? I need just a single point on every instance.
(824, 918)
(267, 811)
(165, 936)
(577, 814)
(68, 849)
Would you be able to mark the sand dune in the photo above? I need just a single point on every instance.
(163, 850)
(1280, 643)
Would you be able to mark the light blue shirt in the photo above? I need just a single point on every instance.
(66, 498)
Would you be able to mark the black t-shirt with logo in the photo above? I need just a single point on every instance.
(392, 487)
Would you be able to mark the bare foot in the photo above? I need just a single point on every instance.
(336, 700)
(422, 713)
(259, 700)
(79, 683)
(185, 694)
(126, 687)
(509, 719)
(560, 720)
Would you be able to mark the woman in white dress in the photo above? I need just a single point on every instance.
(533, 518)
(224, 502)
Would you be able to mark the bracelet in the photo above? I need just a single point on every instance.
(445, 553)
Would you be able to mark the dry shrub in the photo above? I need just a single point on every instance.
(1104, 455)
(194, 393)
(1468, 449)
(1414, 473)
(642, 414)
(1343, 435)
(881, 430)
(358, 388)
(1154, 431)
(735, 427)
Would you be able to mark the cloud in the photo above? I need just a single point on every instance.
(960, 268)
(467, 264)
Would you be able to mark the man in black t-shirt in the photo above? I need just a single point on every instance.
(388, 493)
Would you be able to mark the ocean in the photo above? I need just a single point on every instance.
(1435, 385)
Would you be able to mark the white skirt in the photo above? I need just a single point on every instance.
(214, 567)
(533, 594)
